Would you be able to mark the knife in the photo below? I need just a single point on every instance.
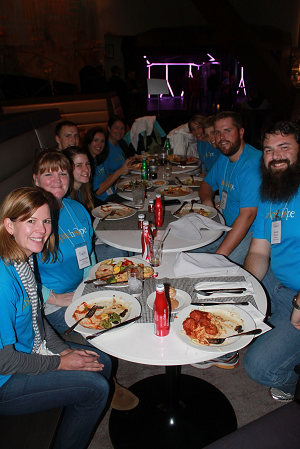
(176, 177)
(246, 303)
(178, 210)
(90, 337)
(224, 290)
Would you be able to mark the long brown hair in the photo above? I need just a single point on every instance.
(85, 189)
(20, 205)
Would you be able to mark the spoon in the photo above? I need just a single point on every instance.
(219, 341)
(192, 204)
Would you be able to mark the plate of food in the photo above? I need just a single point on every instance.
(174, 191)
(200, 209)
(190, 181)
(120, 211)
(178, 299)
(160, 183)
(127, 185)
(195, 324)
(114, 307)
(116, 271)
(175, 159)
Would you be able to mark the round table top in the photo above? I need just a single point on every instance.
(137, 343)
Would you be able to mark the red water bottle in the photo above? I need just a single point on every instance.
(146, 241)
(161, 312)
(158, 211)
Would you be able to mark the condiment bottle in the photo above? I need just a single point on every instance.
(146, 241)
(151, 206)
(144, 168)
(141, 218)
(161, 312)
(158, 211)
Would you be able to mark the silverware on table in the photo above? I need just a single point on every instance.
(219, 341)
(209, 292)
(244, 303)
(161, 243)
(88, 315)
(180, 183)
(90, 337)
(178, 210)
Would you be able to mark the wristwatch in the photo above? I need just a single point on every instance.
(296, 306)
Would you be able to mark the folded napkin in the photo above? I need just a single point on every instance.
(258, 318)
(188, 227)
(195, 264)
(227, 285)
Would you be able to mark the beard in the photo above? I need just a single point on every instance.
(279, 186)
(233, 149)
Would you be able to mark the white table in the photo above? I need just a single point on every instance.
(175, 410)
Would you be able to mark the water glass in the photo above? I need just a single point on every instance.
(155, 260)
(135, 280)
(183, 158)
(138, 195)
(168, 169)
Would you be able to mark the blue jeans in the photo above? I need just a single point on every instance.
(104, 252)
(271, 358)
(83, 393)
(238, 255)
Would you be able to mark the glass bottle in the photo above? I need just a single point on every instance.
(161, 312)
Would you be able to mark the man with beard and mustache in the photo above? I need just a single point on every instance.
(236, 175)
(274, 258)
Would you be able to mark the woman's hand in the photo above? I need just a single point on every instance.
(126, 167)
(79, 360)
(60, 299)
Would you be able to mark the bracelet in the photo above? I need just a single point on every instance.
(52, 293)
(294, 302)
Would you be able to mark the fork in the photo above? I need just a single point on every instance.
(219, 341)
(108, 215)
(192, 204)
(90, 313)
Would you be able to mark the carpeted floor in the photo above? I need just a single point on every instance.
(249, 400)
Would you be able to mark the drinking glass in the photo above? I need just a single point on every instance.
(156, 254)
(135, 280)
(138, 195)
(183, 158)
(168, 169)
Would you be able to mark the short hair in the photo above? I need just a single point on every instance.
(61, 124)
(51, 160)
(88, 139)
(199, 119)
(20, 205)
(86, 197)
(284, 127)
(209, 122)
(235, 117)
(114, 119)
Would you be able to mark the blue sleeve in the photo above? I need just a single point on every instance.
(212, 178)
(249, 188)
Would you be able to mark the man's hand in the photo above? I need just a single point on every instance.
(79, 359)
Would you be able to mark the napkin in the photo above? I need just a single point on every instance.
(195, 264)
(189, 226)
(258, 318)
(213, 285)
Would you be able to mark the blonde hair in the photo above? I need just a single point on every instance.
(20, 205)
(51, 160)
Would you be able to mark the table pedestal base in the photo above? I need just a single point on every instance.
(175, 411)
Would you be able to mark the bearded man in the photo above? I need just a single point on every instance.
(274, 258)
(236, 175)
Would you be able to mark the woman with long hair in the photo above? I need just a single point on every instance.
(38, 370)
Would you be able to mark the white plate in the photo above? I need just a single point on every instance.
(164, 192)
(184, 178)
(162, 181)
(182, 297)
(135, 260)
(122, 212)
(99, 297)
(196, 207)
(233, 344)
(123, 184)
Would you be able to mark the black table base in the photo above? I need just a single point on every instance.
(175, 411)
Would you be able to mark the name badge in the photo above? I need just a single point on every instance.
(109, 191)
(83, 258)
(223, 199)
(276, 232)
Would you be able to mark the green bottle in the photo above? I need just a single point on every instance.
(168, 147)
(144, 168)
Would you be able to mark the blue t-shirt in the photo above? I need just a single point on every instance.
(240, 179)
(285, 256)
(16, 314)
(208, 155)
(115, 158)
(100, 177)
(72, 225)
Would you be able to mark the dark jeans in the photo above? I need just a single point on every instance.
(83, 393)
